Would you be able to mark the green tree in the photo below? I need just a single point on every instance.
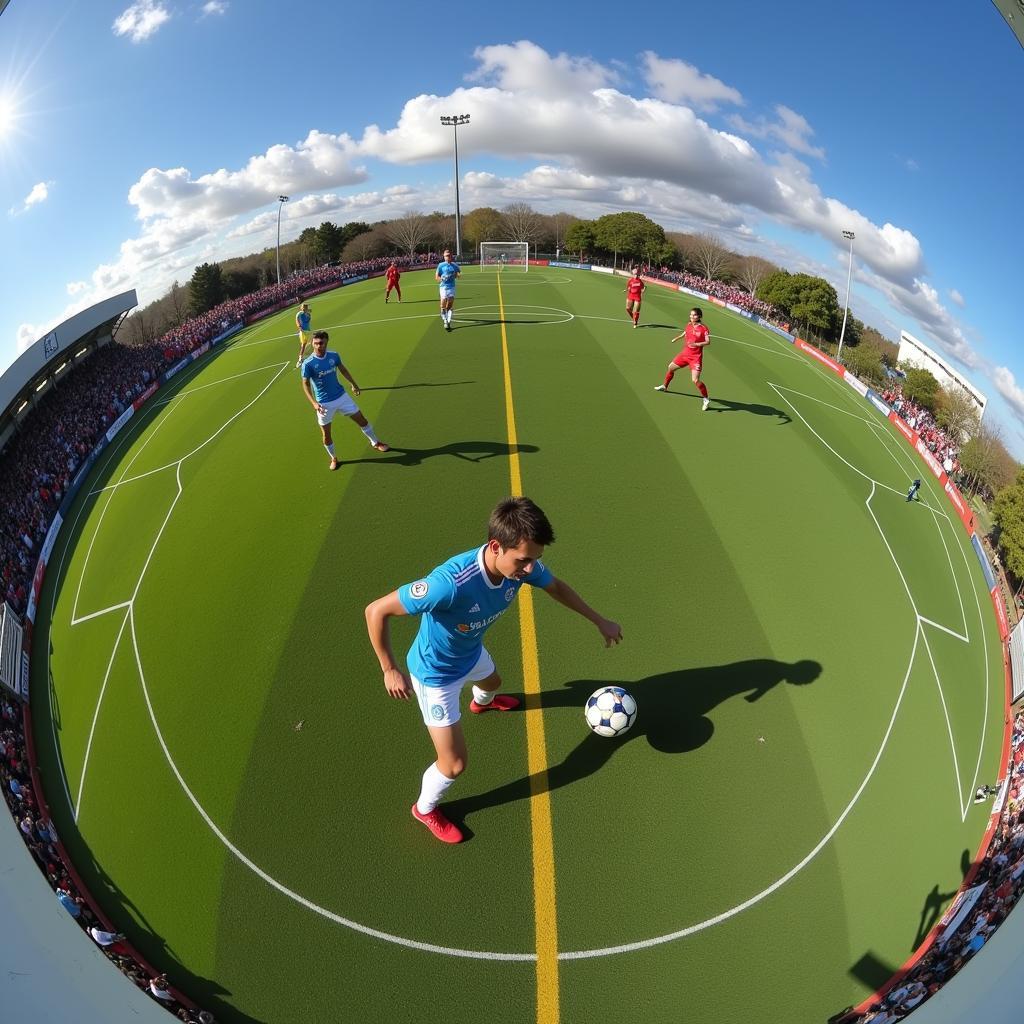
(579, 238)
(810, 301)
(239, 282)
(328, 243)
(206, 289)
(481, 225)
(630, 235)
(865, 363)
(1008, 512)
(920, 386)
(957, 412)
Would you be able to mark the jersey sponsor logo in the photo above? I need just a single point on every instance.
(472, 627)
(419, 589)
(436, 712)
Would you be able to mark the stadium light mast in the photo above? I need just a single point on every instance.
(455, 120)
(846, 309)
(281, 200)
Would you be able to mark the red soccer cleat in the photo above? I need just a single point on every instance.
(445, 830)
(501, 702)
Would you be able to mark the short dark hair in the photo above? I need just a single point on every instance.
(696, 309)
(515, 520)
(321, 336)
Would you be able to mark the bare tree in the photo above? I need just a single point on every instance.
(521, 222)
(408, 232)
(958, 413)
(365, 246)
(751, 271)
(710, 255)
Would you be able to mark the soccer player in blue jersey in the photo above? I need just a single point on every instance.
(457, 603)
(328, 397)
(302, 321)
(445, 276)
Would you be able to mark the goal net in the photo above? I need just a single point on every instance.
(501, 256)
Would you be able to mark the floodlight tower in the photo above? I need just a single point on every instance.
(455, 120)
(281, 200)
(849, 278)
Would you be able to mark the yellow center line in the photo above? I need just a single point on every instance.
(544, 913)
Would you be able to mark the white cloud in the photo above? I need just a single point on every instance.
(525, 68)
(675, 81)
(214, 7)
(956, 298)
(1008, 387)
(39, 194)
(791, 129)
(141, 20)
(76, 287)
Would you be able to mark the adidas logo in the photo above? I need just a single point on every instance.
(475, 608)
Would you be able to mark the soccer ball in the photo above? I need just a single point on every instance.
(610, 711)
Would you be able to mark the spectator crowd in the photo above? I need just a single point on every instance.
(943, 447)
(719, 289)
(1001, 872)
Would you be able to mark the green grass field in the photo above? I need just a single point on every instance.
(816, 664)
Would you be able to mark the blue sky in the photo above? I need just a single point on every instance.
(137, 140)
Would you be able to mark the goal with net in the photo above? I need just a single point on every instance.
(501, 256)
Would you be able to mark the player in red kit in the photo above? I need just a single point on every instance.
(698, 337)
(634, 294)
(393, 274)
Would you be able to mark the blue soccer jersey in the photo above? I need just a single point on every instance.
(456, 603)
(322, 374)
(303, 318)
(447, 271)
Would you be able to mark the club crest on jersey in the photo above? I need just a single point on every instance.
(510, 593)
(436, 712)
(419, 589)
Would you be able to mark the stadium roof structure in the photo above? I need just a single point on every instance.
(67, 344)
(1013, 12)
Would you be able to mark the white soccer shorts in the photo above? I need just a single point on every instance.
(344, 405)
(447, 291)
(439, 705)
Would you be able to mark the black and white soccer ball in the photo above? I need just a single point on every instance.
(610, 711)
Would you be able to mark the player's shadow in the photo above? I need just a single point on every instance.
(468, 451)
(469, 322)
(673, 715)
(657, 327)
(419, 384)
(935, 901)
(725, 405)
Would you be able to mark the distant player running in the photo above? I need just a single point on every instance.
(302, 321)
(698, 337)
(635, 288)
(457, 602)
(393, 274)
(328, 397)
(445, 276)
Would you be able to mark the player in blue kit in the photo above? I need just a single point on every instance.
(328, 397)
(457, 603)
(302, 321)
(445, 276)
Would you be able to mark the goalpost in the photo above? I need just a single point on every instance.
(501, 256)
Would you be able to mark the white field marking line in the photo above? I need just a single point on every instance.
(949, 728)
(130, 605)
(96, 714)
(490, 955)
(222, 427)
(629, 947)
(88, 555)
(273, 882)
(214, 383)
(952, 573)
(919, 618)
(821, 401)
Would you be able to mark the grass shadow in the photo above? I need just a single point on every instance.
(468, 451)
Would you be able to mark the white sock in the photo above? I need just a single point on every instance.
(483, 696)
(434, 786)
(368, 431)
(330, 449)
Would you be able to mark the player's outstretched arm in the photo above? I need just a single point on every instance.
(378, 615)
(564, 594)
(310, 396)
(343, 370)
